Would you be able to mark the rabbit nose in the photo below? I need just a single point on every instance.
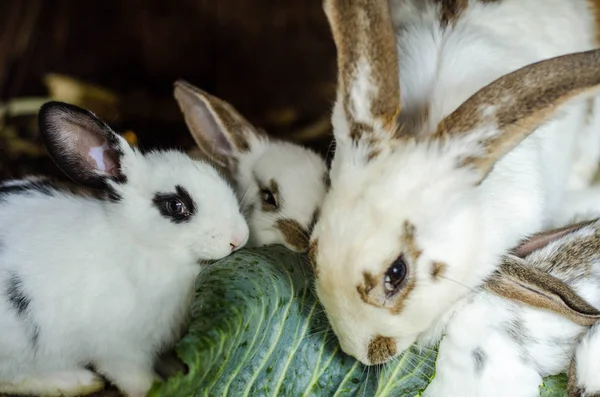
(238, 240)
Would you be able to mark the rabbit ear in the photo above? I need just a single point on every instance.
(219, 130)
(368, 81)
(83, 146)
(542, 239)
(499, 116)
(519, 281)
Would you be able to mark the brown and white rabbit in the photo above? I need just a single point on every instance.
(281, 184)
(530, 320)
(457, 124)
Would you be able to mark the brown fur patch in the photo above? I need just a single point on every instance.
(572, 389)
(364, 289)
(274, 189)
(521, 101)
(450, 11)
(373, 153)
(357, 130)
(574, 259)
(378, 298)
(438, 269)
(595, 9)
(533, 286)
(293, 233)
(412, 253)
(540, 240)
(381, 349)
(362, 29)
(408, 242)
(313, 251)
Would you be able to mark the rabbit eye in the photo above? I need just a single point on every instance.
(268, 197)
(395, 275)
(176, 207)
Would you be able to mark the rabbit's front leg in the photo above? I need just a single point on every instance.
(75, 382)
(132, 374)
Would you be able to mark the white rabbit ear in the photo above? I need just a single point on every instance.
(542, 239)
(367, 57)
(220, 131)
(519, 281)
(83, 146)
(499, 116)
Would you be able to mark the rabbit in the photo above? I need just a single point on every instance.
(531, 319)
(104, 283)
(427, 197)
(280, 183)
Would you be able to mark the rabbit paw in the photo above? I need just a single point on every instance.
(77, 382)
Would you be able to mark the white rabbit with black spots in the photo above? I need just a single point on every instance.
(106, 284)
(281, 184)
(459, 125)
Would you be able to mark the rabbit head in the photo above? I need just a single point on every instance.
(164, 199)
(281, 185)
(399, 237)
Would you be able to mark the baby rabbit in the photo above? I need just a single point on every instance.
(281, 184)
(504, 347)
(97, 283)
(456, 126)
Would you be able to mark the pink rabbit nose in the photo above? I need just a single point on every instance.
(238, 240)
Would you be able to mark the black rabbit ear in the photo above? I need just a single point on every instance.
(83, 146)
(517, 280)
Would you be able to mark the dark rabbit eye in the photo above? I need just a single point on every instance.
(395, 275)
(268, 197)
(176, 207)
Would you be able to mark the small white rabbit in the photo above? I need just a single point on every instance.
(504, 347)
(103, 283)
(456, 127)
(281, 184)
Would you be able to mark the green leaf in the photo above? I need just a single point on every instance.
(554, 386)
(257, 330)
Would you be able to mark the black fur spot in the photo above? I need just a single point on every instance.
(518, 332)
(161, 201)
(313, 221)
(35, 336)
(27, 187)
(480, 358)
(16, 296)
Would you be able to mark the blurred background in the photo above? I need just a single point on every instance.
(273, 60)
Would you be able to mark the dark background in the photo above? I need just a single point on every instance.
(273, 60)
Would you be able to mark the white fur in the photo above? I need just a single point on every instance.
(300, 175)
(108, 283)
(521, 344)
(467, 228)
(298, 172)
(588, 362)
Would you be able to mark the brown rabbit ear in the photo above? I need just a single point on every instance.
(367, 58)
(502, 114)
(542, 239)
(219, 130)
(519, 281)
